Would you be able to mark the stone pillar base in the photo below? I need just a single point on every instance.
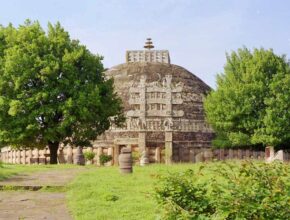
(168, 147)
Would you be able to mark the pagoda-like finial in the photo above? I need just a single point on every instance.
(149, 45)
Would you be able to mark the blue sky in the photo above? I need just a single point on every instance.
(197, 33)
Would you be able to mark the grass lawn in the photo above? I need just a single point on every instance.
(8, 170)
(105, 194)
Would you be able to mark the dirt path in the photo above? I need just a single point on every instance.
(33, 205)
(28, 205)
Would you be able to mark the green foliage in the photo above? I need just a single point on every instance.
(52, 89)
(182, 197)
(136, 156)
(221, 141)
(254, 191)
(105, 158)
(136, 191)
(89, 155)
(251, 103)
(249, 191)
(1, 164)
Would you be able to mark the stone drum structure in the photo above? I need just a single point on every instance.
(163, 105)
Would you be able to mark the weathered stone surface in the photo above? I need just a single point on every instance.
(79, 157)
(199, 157)
(144, 160)
(187, 89)
(159, 98)
(125, 161)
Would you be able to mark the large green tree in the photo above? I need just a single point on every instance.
(52, 89)
(251, 104)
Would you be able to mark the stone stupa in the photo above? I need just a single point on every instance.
(163, 105)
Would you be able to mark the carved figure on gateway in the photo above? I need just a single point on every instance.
(160, 100)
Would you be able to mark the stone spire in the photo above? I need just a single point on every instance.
(149, 44)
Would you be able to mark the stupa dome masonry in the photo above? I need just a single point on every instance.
(163, 105)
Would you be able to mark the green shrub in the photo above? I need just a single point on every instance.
(105, 158)
(1, 164)
(182, 196)
(254, 191)
(136, 156)
(89, 155)
(248, 191)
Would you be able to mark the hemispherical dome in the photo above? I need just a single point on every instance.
(187, 90)
(163, 105)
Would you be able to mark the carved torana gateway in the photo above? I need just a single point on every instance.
(163, 105)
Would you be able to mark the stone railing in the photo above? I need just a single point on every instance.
(155, 155)
(271, 155)
(65, 155)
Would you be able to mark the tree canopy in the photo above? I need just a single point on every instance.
(251, 104)
(52, 89)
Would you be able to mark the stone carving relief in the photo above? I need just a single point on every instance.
(156, 98)
(178, 113)
(186, 125)
(191, 97)
(167, 124)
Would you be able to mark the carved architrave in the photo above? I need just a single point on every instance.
(163, 124)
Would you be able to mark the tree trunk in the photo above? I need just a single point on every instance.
(53, 147)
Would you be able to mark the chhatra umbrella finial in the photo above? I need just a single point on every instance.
(148, 44)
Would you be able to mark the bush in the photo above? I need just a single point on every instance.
(136, 156)
(247, 191)
(89, 155)
(105, 158)
(182, 196)
(1, 164)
